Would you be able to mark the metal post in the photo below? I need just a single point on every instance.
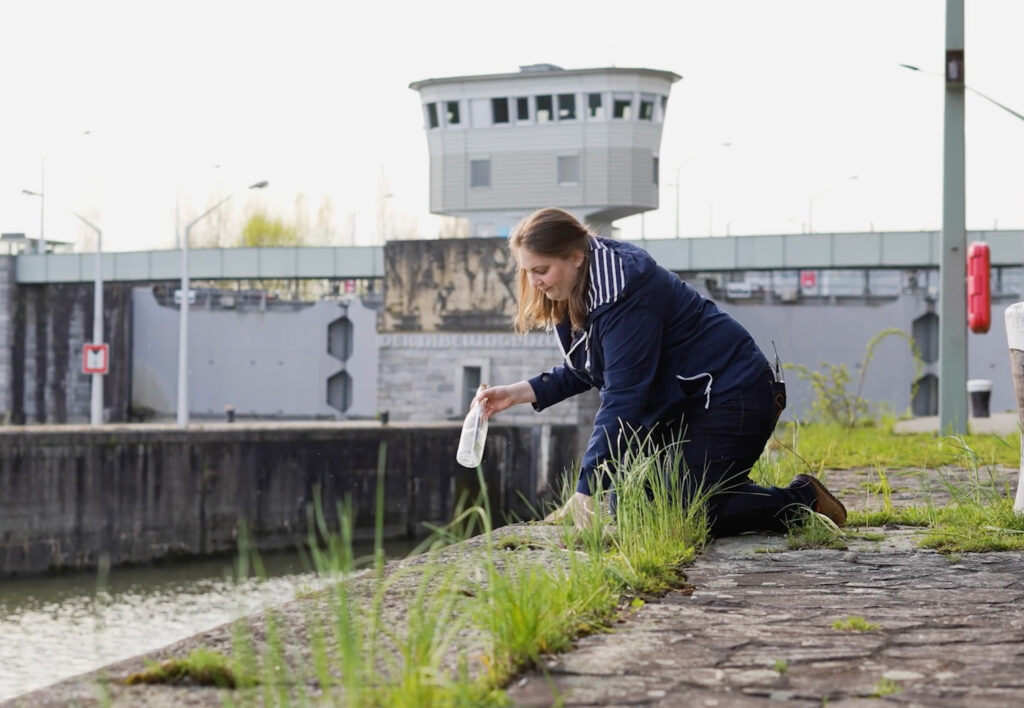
(96, 407)
(41, 243)
(1015, 339)
(183, 413)
(953, 264)
(96, 400)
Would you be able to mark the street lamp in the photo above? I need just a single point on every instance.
(41, 242)
(676, 185)
(96, 407)
(810, 203)
(953, 263)
(991, 100)
(183, 311)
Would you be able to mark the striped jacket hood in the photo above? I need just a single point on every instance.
(615, 268)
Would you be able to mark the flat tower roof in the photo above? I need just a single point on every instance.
(534, 70)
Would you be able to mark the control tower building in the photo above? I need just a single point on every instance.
(585, 140)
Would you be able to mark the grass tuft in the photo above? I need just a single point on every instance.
(854, 623)
(202, 667)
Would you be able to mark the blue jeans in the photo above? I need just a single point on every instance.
(720, 446)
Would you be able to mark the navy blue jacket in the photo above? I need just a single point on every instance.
(653, 345)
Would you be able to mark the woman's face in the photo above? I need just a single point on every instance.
(552, 275)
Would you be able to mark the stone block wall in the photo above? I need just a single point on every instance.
(49, 324)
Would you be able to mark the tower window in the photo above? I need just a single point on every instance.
(480, 173)
(499, 110)
(451, 112)
(545, 109)
(569, 169)
(432, 115)
(646, 107)
(622, 106)
(566, 106)
(594, 107)
(522, 108)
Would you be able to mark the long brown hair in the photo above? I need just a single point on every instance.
(554, 233)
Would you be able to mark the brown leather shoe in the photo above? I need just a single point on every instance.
(824, 503)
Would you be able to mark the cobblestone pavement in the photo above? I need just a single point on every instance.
(758, 628)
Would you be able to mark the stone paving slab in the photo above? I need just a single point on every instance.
(756, 629)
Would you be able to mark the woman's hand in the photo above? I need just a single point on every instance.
(498, 398)
(580, 508)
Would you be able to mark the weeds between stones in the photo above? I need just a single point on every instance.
(855, 623)
(465, 629)
(509, 609)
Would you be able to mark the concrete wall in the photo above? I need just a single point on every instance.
(272, 363)
(139, 493)
(812, 334)
(47, 328)
(8, 293)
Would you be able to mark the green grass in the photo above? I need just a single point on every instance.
(523, 609)
(884, 687)
(202, 667)
(854, 623)
(828, 446)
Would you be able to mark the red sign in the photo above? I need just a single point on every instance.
(96, 359)
(808, 278)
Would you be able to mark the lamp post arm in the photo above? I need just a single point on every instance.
(1009, 110)
(207, 212)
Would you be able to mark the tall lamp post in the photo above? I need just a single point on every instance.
(953, 266)
(96, 407)
(676, 185)
(183, 312)
(41, 242)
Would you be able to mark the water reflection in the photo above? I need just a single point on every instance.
(56, 627)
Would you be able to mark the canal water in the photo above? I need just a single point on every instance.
(55, 627)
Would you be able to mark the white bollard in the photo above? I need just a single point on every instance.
(1015, 338)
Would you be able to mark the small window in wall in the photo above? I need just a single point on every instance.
(622, 106)
(522, 108)
(646, 106)
(569, 169)
(545, 109)
(657, 166)
(594, 108)
(451, 109)
(480, 173)
(499, 110)
(660, 116)
(471, 380)
(432, 115)
(566, 106)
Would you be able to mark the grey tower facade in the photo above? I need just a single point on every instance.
(585, 140)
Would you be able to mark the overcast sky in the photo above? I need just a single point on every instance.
(822, 124)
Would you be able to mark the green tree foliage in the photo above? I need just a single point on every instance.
(262, 230)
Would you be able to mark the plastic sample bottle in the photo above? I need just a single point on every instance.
(474, 436)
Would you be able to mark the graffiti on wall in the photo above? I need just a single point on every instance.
(449, 285)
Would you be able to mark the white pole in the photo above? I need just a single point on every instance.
(1015, 338)
(41, 243)
(96, 400)
(96, 409)
(183, 333)
(182, 413)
